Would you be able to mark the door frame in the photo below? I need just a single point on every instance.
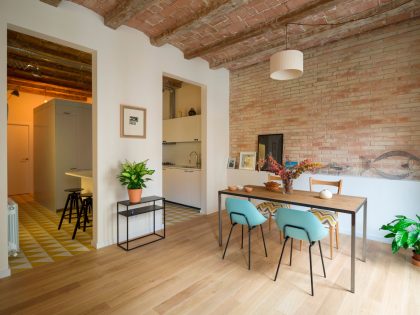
(94, 105)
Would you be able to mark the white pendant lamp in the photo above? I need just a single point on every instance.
(286, 64)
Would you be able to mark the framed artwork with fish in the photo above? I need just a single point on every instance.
(405, 165)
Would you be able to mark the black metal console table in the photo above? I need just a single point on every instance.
(131, 210)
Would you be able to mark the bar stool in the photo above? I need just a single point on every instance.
(73, 199)
(87, 206)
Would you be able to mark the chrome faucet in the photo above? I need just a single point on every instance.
(197, 160)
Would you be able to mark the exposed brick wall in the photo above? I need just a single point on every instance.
(358, 99)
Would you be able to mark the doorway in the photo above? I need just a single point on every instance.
(18, 159)
(50, 143)
(183, 149)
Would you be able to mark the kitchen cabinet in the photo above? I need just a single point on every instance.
(183, 129)
(182, 185)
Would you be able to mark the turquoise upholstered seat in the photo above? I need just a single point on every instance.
(301, 225)
(247, 209)
(302, 219)
(243, 212)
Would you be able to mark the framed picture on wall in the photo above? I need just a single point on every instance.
(133, 122)
(231, 162)
(247, 160)
(270, 145)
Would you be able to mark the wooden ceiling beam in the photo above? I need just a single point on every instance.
(54, 3)
(311, 8)
(325, 31)
(398, 15)
(73, 97)
(214, 8)
(25, 60)
(171, 83)
(18, 83)
(51, 71)
(20, 40)
(37, 55)
(49, 79)
(124, 11)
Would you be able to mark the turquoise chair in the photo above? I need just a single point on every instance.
(300, 225)
(243, 212)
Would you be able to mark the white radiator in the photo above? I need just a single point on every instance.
(13, 223)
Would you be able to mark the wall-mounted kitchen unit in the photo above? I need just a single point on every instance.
(183, 129)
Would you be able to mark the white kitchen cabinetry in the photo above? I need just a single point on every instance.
(62, 141)
(182, 186)
(183, 129)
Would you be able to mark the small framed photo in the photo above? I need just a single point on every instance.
(231, 162)
(133, 122)
(247, 160)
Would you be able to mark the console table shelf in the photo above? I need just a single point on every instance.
(127, 213)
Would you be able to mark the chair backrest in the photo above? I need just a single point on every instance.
(250, 215)
(301, 224)
(313, 182)
(273, 177)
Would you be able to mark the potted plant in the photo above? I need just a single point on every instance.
(405, 233)
(133, 175)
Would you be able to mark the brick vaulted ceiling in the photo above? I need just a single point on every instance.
(238, 33)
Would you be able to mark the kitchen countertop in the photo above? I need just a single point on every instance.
(80, 173)
(183, 167)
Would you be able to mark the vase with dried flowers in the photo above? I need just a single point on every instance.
(288, 174)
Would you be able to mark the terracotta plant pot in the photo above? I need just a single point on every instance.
(134, 195)
(415, 260)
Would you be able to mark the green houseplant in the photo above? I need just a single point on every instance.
(406, 234)
(134, 176)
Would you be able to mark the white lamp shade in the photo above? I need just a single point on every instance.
(286, 65)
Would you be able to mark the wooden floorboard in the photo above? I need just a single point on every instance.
(184, 274)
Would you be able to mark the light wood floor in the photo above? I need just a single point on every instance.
(185, 274)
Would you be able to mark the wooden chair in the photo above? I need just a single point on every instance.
(328, 218)
(269, 208)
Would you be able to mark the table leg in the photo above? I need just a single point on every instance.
(220, 218)
(364, 231)
(353, 252)
(164, 218)
(127, 230)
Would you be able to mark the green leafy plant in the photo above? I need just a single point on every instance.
(133, 175)
(406, 233)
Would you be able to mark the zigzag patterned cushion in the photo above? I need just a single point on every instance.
(269, 207)
(325, 216)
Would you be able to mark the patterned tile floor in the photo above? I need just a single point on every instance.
(40, 241)
(177, 213)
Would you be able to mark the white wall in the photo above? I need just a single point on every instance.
(129, 71)
(386, 198)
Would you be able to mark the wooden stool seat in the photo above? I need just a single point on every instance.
(73, 190)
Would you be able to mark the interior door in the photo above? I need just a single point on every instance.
(18, 159)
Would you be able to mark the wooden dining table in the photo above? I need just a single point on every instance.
(339, 203)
